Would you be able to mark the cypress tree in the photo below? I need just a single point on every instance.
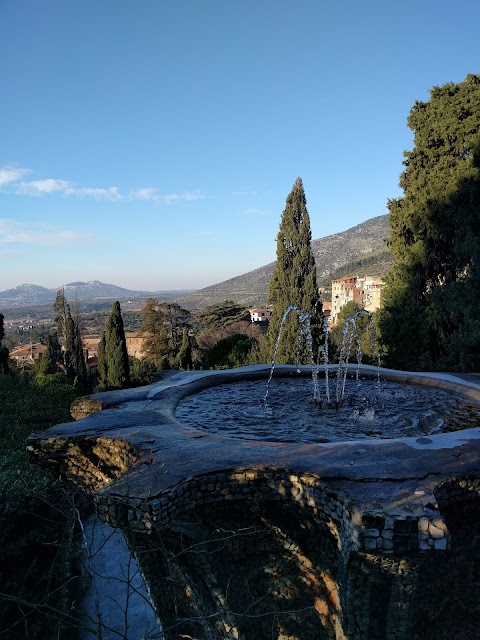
(61, 309)
(116, 356)
(53, 357)
(185, 353)
(69, 329)
(431, 310)
(102, 365)
(70, 347)
(294, 281)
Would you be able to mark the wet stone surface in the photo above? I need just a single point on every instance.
(370, 409)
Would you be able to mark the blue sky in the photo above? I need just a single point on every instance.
(152, 144)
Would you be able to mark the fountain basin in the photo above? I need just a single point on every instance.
(290, 413)
(384, 507)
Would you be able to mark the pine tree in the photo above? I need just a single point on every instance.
(156, 345)
(435, 237)
(116, 356)
(294, 281)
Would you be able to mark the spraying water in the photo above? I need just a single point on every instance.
(350, 337)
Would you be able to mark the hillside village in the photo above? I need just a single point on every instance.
(365, 291)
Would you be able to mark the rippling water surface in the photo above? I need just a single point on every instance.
(370, 410)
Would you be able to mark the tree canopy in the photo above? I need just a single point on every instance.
(154, 328)
(113, 362)
(223, 314)
(431, 314)
(68, 328)
(294, 279)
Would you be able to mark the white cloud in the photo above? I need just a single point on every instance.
(12, 181)
(109, 193)
(187, 196)
(38, 187)
(11, 174)
(39, 234)
(145, 193)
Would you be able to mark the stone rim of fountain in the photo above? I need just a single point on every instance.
(155, 459)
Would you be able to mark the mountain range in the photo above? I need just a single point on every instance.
(32, 294)
(360, 250)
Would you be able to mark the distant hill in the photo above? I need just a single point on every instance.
(359, 248)
(29, 295)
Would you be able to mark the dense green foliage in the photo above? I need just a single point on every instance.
(294, 280)
(141, 371)
(230, 352)
(68, 328)
(432, 310)
(155, 346)
(226, 336)
(52, 360)
(113, 364)
(3, 350)
(367, 336)
(184, 357)
(221, 315)
(36, 514)
(163, 327)
(374, 264)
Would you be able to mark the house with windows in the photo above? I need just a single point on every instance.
(365, 291)
(260, 315)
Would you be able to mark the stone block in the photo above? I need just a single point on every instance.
(439, 523)
(370, 543)
(440, 544)
(423, 524)
(435, 532)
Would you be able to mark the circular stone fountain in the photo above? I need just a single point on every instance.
(353, 532)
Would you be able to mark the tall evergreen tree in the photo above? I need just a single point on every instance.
(69, 346)
(430, 297)
(52, 359)
(102, 364)
(61, 309)
(156, 345)
(185, 354)
(294, 280)
(116, 356)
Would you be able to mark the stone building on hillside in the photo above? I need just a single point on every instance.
(366, 292)
(27, 354)
(134, 341)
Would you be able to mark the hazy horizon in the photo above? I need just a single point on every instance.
(153, 145)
